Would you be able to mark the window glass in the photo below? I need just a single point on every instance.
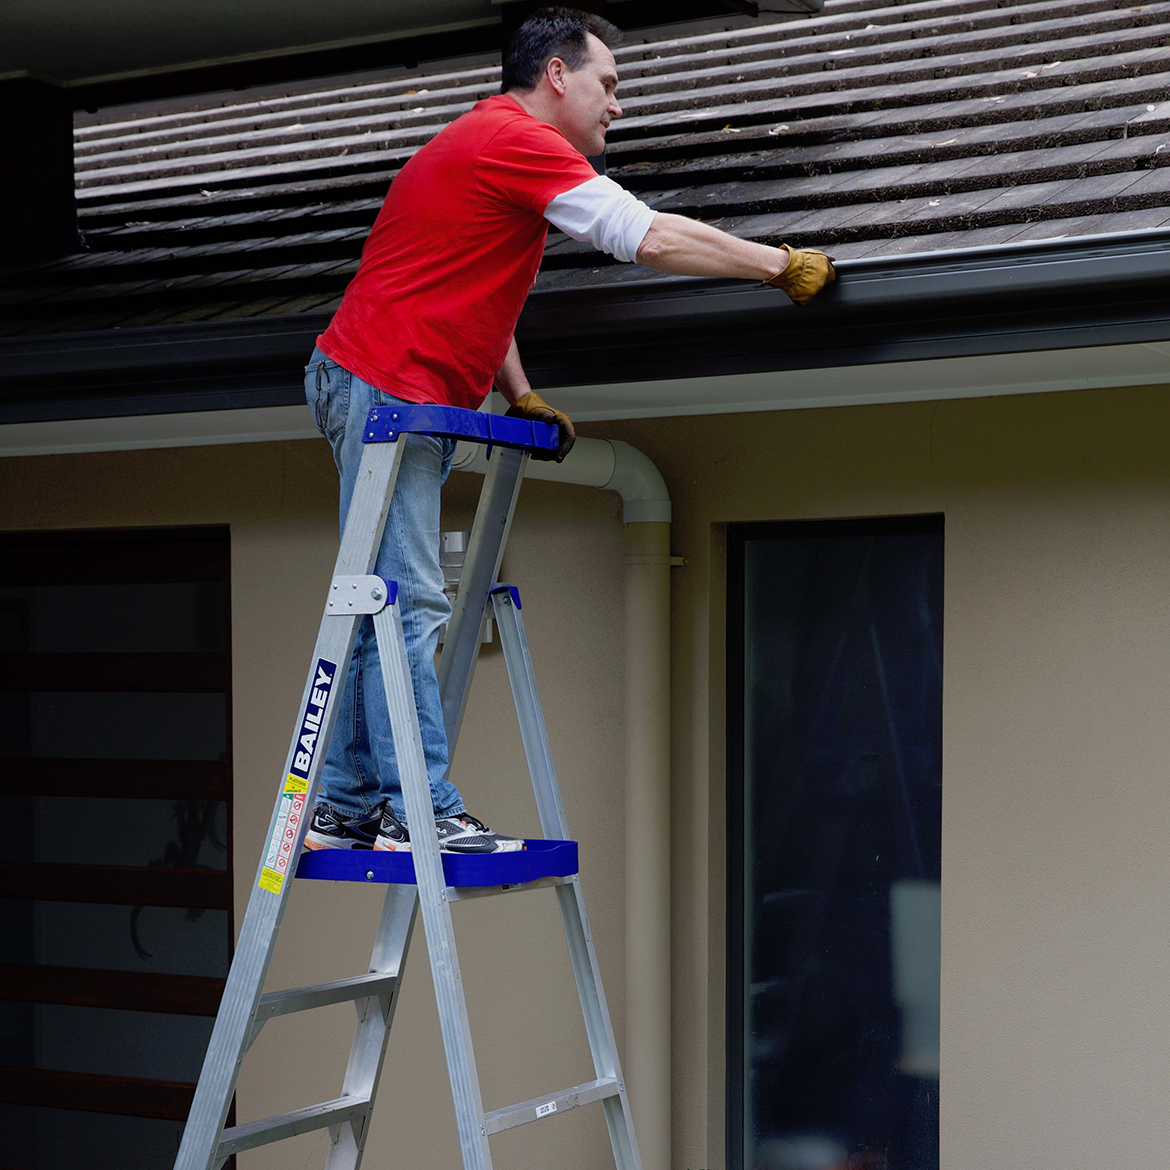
(837, 770)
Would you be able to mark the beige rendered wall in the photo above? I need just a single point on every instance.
(1055, 866)
(1056, 807)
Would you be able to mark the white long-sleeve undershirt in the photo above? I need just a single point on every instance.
(604, 214)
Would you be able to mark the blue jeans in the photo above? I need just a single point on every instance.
(360, 770)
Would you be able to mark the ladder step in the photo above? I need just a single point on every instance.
(285, 1125)
(299, 999)
(514, 1115)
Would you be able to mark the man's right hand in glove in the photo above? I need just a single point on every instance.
(805, 274)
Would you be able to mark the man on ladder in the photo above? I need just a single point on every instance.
(430, 318)
(426, 326)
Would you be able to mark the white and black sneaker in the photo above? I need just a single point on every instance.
(392, 834)
(463, 833)
(328, 830)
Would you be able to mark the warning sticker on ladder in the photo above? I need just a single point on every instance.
(278, 857)
(280, 844)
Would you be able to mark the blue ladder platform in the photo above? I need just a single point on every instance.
(385, 423)
(541, 859)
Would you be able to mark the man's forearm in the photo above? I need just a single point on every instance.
(685, 247)
(512, 381)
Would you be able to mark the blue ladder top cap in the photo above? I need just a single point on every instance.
(391, 591)
(508, 589)
(385, 423)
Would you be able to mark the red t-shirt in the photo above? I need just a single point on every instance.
(452, 256)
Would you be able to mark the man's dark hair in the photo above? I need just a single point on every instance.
(548, 33)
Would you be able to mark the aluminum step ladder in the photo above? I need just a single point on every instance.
(425, 877)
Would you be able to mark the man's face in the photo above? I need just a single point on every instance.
(588, 104)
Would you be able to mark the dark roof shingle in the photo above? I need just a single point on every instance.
(870, 129)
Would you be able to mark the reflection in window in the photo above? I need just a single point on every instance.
(835, 647)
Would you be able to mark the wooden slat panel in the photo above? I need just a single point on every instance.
(136, 991)
(71, 673)
(91, 1093)
(92, 558)
(123, 885)
(131, 779)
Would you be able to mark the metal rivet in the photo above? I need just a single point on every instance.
(354, 585)
(369, 875)
(351, 605)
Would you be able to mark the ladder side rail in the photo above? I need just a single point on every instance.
(619, 1118)
(254, 947)
(432, 890)
(529, 713)
(368, 1051)
(570, 899)
(489, 534)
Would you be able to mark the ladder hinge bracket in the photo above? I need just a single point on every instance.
(364, 594)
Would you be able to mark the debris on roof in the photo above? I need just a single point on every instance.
(872, 129)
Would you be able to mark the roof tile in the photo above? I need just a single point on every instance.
(874, 128)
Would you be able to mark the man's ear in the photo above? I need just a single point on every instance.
(555, 71)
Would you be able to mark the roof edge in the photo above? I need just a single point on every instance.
(1052, 294)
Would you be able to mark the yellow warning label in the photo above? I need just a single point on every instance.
(290, 810)
(295, 784)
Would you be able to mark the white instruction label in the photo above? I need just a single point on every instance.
(545, 1110)
(279, 853)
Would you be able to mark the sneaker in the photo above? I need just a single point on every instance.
(392, 834)
(462, 833)
(328, 830)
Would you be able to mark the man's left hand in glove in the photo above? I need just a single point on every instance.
(531, 405)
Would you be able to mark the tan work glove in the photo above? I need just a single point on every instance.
(532, 406)
(807, 273)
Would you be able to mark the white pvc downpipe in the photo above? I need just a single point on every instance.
(600, 463)
(617, 466)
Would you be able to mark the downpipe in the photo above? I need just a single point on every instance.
(646, 511)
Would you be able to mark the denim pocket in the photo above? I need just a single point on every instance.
(327, 394)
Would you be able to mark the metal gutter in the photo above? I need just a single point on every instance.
(1055, 294)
